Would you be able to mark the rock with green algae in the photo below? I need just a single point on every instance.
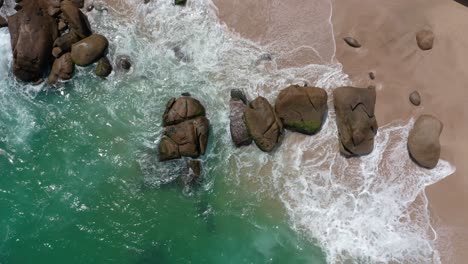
(302, 109)
(103, 67)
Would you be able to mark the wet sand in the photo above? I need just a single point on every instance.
(386, 30)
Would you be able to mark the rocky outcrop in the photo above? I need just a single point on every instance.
(263, 125)
(103, 67)
(355, 119)
(425, 39)
(62, 69)
(415, 98)
(33, 32)
(302, 109)
(423, 141)
(239, 133)
(186, 129)
(352, 42)
(181, 109)
(89, 50)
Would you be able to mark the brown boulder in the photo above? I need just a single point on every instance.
(75, 19)
(263, 125)
(425, 39)
(32, 33)
(103, 67)
(188, 139)
(352, 42)
(89, 50)
(66, 41)
(302, 109)
(181, 109)
(355, 119)
(239, 133)
(62, 69)
(423, 141)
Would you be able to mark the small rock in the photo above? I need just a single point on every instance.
(180, 2)
(194, 172)
(62, 68)
(90, 7)
(89, 50)
(103, 67)
(415, 98)
(372, 75)
(123, 63)
(146, 1)
(62, 26)
(352, 42)
(423, 141)
(237, 94)
(57, 52)
(66, 41)
(425, 39)
(1, 3)
(181, 109)
(186, 94)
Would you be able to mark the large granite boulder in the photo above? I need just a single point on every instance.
(302, 109)
(263, 124)
(62, 68)
(33, 32)
(186, 129)
(423, 141)
(188, 139)
(355, 118)
(181, 109)
(239, 133)
(75, 19)
(89, 50)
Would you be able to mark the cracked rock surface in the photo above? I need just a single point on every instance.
(263, 125)
(302, 109)
(357, 125)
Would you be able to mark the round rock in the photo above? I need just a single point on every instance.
(425, 39)
(423, 141)
(89, 50)
(415, 98)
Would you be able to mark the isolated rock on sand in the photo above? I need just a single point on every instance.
(415, 98)
(239, 133)
(263, 124)
(372, 75)
(423, 141)
(62, 69)
(32, 33)
(181, 109)
(3, 22)
(355, 118)
(352, 42)
(425, 39)
(89, 50)
(302, 109)
(76, 20)
(103, 67)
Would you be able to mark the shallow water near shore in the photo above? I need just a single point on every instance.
(80, 180)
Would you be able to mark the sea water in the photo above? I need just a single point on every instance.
(80, 180)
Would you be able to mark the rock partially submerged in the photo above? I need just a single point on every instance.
(180, 2)
(89, 50)
(33, 32)
(357, 125)
(239, 133)
(352, 42)
(302, 109)
(62, 69)
(3, 22)
(263, 124)
(103, 67)
(423, 141)
(425, 39)
(186, 129)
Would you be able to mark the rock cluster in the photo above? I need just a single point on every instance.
(423, 141)
(355, 119)
(52, 34)
(186, 129)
